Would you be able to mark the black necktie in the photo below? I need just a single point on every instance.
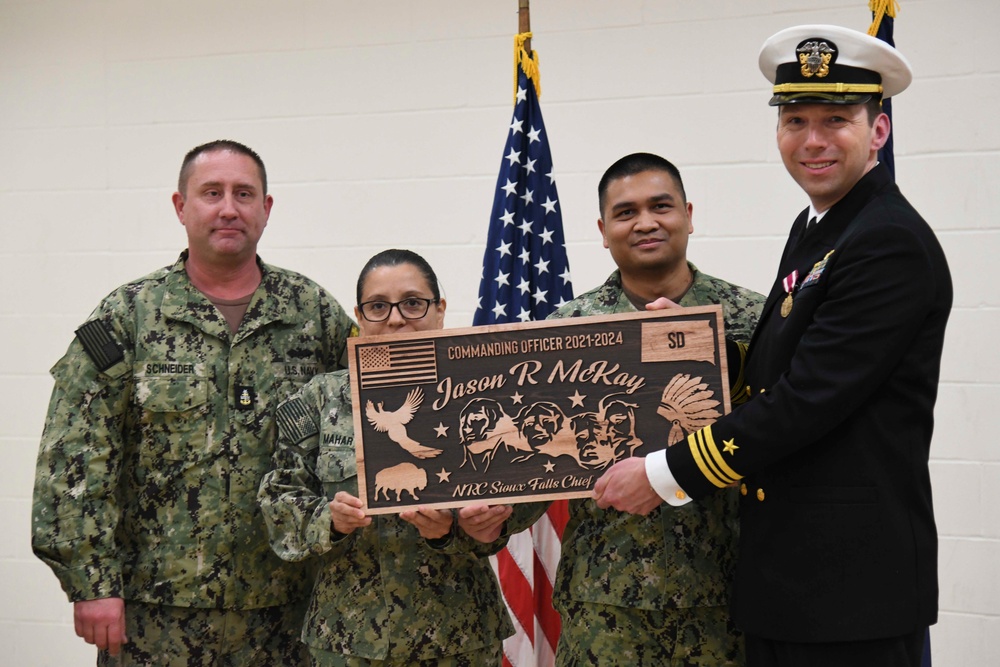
(811, 224)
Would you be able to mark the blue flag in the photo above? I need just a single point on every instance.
(883, 16)
(525, 268)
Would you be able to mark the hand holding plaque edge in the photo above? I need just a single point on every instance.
(346, 513)
(484, 523)
(626, 488)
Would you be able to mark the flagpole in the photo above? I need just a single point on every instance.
(524, 21)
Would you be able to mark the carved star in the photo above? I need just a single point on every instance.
(550, 466)
(729, 446)
(577, 399)
(442, 430)
(516, 398)
(443, 476)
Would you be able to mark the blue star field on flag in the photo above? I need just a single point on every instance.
(525, 268)
(885, 154)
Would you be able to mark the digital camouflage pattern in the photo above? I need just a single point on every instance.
(148, 470)
(597, 634)
(382, 592)
(159, 635)
(673, 558)
(488, 656)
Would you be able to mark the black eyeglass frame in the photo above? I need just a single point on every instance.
(395, 304)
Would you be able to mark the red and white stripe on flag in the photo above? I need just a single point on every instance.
(526, 570)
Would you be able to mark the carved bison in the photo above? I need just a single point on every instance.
(399, 478)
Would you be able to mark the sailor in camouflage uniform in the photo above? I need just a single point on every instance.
(391, 590)
(160, 428)
(654, 589)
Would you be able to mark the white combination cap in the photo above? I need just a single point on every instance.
(828, 64)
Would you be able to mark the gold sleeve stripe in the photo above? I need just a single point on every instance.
(738, 392)
(707, 458)
(717, 459)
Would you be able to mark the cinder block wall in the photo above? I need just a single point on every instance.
(382, 124)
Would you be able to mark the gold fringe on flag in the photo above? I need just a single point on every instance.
(879, 9)
(528, 62)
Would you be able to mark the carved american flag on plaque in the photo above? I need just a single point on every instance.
(395, 364)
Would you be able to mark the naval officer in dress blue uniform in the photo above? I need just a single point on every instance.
(838, 547)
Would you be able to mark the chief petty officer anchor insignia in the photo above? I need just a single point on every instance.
(245, 397)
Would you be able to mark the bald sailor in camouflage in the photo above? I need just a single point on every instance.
(838, 546)
(160, 428)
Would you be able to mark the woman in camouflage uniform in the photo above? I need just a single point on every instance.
(391, 590)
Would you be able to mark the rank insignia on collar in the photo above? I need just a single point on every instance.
(245, 397)
(815, 56)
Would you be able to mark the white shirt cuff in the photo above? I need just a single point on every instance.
(662, 480)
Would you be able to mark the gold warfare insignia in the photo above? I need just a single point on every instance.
(815, 56)
(817, 270)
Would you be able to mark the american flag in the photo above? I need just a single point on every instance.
(525, 277)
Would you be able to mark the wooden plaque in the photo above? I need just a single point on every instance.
(525, 412)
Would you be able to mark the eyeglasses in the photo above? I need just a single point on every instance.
(411, 308)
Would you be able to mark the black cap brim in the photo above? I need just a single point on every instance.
(781, 99)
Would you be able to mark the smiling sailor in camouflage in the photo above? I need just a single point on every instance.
(160, 427)
(645, 590)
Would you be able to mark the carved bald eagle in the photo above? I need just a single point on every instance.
(394, 424)
(688, 405)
